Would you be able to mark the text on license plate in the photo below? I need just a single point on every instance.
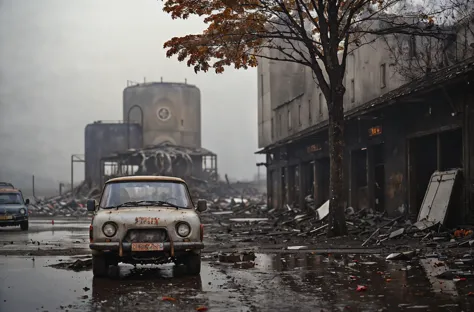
(147, 246)
(6, 217)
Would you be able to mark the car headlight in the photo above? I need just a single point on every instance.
(22, 211)
(183, 229)
(109, 229)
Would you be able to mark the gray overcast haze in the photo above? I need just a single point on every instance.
(64, 64)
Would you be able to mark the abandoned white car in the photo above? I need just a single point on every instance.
(146, 219)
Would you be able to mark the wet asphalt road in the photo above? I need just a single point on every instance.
(278, 282)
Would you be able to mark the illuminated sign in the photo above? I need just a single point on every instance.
(314, 148)
(375, 131)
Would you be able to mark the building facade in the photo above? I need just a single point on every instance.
(398, 130)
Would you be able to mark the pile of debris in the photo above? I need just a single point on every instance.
(70, 204)
(365, 227)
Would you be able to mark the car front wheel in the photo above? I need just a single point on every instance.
(24, 226)
(193, 264)
(101, 263)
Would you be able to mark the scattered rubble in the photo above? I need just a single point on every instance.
(67, 204)
(77, 266)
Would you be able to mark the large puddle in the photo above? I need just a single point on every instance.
(283, 282)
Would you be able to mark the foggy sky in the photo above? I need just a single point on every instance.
(64, 64)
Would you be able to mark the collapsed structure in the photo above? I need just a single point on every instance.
(162, 159)
(160, 134)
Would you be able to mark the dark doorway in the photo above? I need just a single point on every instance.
(423, 160)
(296, 189)
(359, 192)
(379, 177)
(450, 150)
(291, 171)
(308, 176)
(284, 186)
(274, 190)
(439, 151)
(322, 176)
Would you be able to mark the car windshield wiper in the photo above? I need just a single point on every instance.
(125, 204)
(158, 203)
(145, 203)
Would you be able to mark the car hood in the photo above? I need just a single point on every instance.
(10, 208)
(127, 215)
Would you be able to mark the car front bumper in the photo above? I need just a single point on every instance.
(12, 220)
(127, 247)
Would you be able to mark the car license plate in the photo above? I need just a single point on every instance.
(147, 246)
(6, 217)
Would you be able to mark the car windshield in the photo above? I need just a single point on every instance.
(11, 199)
(132, 194)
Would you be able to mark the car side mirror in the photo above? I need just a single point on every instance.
(27, 201)
(91, 205)
(201, 205)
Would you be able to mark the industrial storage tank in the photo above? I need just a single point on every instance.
(103, 138)
(168, 112)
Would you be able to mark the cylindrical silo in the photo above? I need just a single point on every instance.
(170, 112)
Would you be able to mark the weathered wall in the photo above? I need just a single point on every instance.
(172, 112)
(265, 112)
(103, 139)
(294, 93)
(291, 91)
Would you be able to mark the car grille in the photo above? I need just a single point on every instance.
(147, 236)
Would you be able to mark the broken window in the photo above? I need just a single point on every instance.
(310, 118)
(352, 91)
(289, 119)
(299, 115)
(272, 129)
(383, 78)
(320, 105)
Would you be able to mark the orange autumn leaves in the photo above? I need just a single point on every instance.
(240, 30)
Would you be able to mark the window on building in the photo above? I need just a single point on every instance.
(261, 85)
(352, 91)
(182, 122)
(310, 118)
(320, 104)
(299, 115)
(280, 125)
(412, 50)
(383, 76)
(272, 129)
(289, 119)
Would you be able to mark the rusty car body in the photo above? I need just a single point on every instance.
(146, 219)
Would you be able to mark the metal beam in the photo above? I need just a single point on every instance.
(75, 158)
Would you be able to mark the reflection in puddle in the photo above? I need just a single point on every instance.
(433, 269)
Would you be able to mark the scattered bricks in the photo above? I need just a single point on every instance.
(244, 265)
(248, 256)
(229, 258)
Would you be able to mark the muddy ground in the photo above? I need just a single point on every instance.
(48, 269)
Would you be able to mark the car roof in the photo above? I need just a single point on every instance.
(9, 190)
(145, 179)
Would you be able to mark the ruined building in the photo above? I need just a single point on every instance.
(399, 130)
(160, 134)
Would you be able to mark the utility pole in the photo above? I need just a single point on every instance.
(33, 185)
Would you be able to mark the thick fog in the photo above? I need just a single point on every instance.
(64, 64)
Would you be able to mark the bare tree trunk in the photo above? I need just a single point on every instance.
(337, 220)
